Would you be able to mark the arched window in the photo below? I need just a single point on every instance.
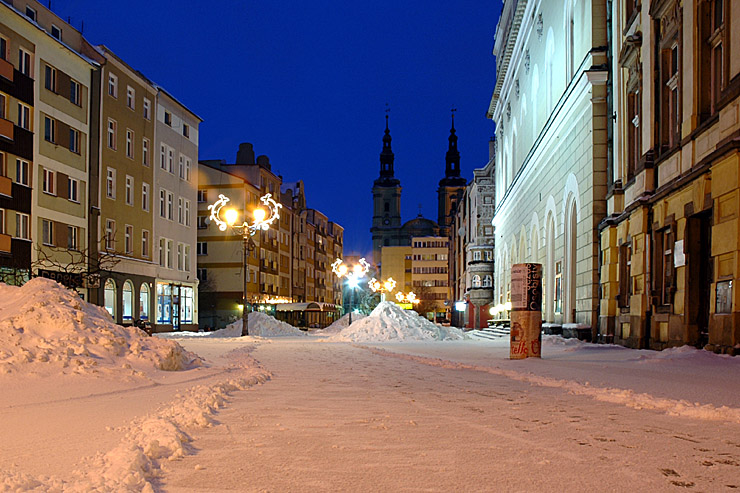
(487, 282)
(144, 302)
(128, 301)
(476, 281)
(550, 270)
(109, 297)
(549, 68)
(535, 89)
(571, 259)
(387, 206)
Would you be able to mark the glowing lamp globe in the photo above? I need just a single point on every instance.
(231, 215)
(259, 215)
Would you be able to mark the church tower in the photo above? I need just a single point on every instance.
(451, 187)
(386, 201)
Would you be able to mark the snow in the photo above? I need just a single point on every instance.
(260, 325)
(339, 324)
(88, 406)
(45, 328)
(390, 322)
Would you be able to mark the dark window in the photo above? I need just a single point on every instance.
(625, 279)
(663, 271)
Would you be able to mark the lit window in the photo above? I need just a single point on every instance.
(49, 182)
(47, 232)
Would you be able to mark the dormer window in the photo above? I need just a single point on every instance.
(30, 13)
(56, 32)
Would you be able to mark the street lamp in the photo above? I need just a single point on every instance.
(408, 298)
(353, 276)
(227, 218)
(382, 287)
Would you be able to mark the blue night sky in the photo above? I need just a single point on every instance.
(307, 84)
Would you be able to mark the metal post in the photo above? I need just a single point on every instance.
(351, 302)
(245, 268)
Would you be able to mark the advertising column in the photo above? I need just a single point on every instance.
(526, 311)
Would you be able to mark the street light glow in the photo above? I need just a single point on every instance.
(259, 215)
(231, 215)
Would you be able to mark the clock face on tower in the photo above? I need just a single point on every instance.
(386, 221)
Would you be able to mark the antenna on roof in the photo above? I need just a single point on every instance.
(82, 26)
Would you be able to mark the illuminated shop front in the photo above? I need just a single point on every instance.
(175, 306)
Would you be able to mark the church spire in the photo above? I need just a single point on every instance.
(452, 159)
(387, 157)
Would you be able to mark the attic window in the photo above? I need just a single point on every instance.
(56, 32)
(30, 13)
(168, 118)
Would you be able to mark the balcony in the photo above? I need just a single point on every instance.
(6, 129)
(6, 69)
(6, 186)
(5, 243)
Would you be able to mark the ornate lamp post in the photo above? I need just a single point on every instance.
(353, 276)
(408, 298)
(382, 287)
(227, 218)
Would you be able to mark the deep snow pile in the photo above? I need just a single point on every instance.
(260, 325)
(45, 327)
(390, 322)
(339, 324)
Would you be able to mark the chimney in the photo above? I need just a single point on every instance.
(245, 154)
(264, 161)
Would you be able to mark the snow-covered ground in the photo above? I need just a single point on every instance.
(90, 405)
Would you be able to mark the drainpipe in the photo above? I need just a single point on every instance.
(645, 343)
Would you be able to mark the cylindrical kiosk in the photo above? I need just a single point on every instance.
(526, 311)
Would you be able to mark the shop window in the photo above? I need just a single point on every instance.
(164, 303)
(187, 301)
(144, 302)
(128, 301)
(109, 297)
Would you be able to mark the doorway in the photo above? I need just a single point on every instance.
(698, 247)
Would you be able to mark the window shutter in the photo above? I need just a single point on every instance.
(63, 84)
(60, 235)
(62, 134)
(62, 186)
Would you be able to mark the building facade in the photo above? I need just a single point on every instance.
(288, 263)
(551, 122)
(670, 243)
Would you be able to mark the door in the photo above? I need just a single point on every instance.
(175, 307)
(698, 247)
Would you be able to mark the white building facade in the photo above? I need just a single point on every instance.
(550, 109)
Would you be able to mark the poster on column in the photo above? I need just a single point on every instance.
(526, 311)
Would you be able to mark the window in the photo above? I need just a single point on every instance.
(112, 85)
(30, 13)
(74, 140)
(21, 172)
(74, 92)
(164, 303)
(24, 62)
(170, 206)
(21, 226)
(713, 55)
(3, 101)
(170, 160)
(112, 130)
(49, 130)
(2, 221)
(145, 151)
(180, 210)
(129, 190)
(668, 83)
(73, 189)
(187, 305)
(145, 244)
(558, 295)
(487, 282)
(73, 233)
(109, 297)
(147, 109)
(47, 232)
(187, 213)
(3, 48)
(161, 251)
(56, 32)
(201, 248)
(50, 78)
(625, 281)
(476, 281)
(145, 196)
(129, 143)
(181, 168)
(162, 209)
(110, 231)
(110, 183)
(130, 97)
(188, 166)
(24, 116)
(49, 182)
(128, 301)
(128, 242)
(170, 245)
(168, 118)
(144, 302)
(663, 273)
(202, 222)
(186, 130)
(202, 274)
(180, 256)
(202, 196)
(186, 260)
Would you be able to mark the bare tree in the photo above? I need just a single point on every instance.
(72, 265)
(427, 303)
